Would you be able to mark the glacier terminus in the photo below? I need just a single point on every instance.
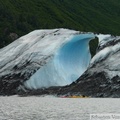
(55, 57)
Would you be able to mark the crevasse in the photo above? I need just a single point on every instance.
(67, 64)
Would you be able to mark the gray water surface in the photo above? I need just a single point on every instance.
(52, 108)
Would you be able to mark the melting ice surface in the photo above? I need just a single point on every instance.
(66, 65)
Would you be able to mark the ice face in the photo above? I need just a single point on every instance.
(67, 64)
(34, 48)
(45, 58)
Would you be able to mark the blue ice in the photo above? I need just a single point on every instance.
(66, 66)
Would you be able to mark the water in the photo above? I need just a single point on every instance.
(52, 108)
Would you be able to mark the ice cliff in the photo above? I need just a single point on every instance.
(69, 61)
(44, 58)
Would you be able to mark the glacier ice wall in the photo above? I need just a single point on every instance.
(69, 61)
(44, 58)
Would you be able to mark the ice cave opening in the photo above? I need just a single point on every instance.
(68, 63)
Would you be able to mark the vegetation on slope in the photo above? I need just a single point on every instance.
(23, 16)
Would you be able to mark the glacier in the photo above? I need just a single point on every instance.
(44, 58)
(66, 65)
(59, 57)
